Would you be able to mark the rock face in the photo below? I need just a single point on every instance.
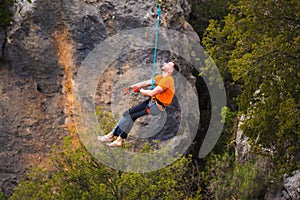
(243, 153)
(292, 184)
(45, 46)
(291, 188)
(243, 149)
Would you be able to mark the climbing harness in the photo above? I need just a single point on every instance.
(159, 2)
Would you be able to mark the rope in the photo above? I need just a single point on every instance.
(156, 41)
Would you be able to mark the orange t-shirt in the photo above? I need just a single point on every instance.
(167, 84)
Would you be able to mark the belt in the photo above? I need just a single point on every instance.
(159, 104)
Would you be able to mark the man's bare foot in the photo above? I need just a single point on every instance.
(117, 143)
(106, 138)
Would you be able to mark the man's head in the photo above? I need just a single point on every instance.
(168, 68)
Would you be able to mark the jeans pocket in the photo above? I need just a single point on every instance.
(154, 110)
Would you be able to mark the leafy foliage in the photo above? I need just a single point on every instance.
(79, 176)
(2, 196)
(205, 10)
(5, 12)
(6, 8)
(105, 119)
(227, 179)
(258, 43)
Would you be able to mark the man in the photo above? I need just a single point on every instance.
(159, 98)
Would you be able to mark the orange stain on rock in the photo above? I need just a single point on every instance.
(66, 52)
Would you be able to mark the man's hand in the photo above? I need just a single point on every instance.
(134, 89)
(126, 90)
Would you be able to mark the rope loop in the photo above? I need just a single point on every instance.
(159, 2)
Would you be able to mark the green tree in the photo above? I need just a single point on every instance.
(228, 179)
(5, 12)
(202, 11)
(2, 196)
(79, 176)
(258, 43)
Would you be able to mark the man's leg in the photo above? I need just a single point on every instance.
(125, 124)
(138, 110)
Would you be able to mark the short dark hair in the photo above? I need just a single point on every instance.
(176, 68)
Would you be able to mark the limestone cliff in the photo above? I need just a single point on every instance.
(41, 53)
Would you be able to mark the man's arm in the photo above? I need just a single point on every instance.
(142, 84)
(155, 91)
(136, 87)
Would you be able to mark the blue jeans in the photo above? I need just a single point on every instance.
(125, 124)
